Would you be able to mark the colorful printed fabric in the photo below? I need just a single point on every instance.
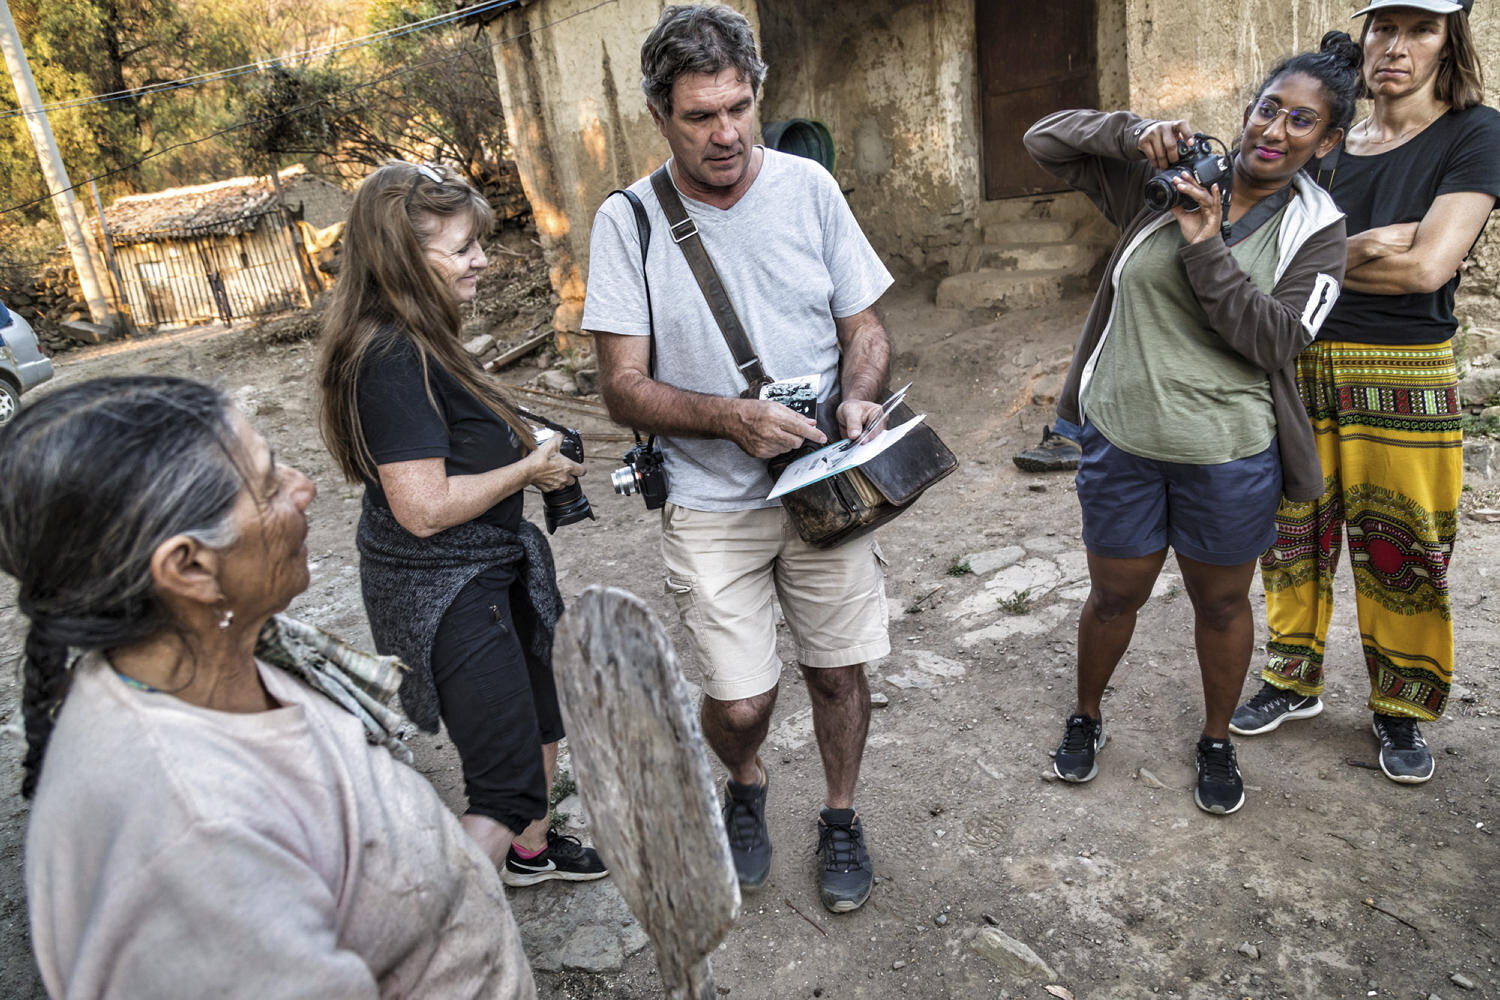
(1388, 433)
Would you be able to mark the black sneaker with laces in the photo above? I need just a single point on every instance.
(1270, 707)
(844, 872)
(565, 858)
(744, 814)
(1055, 454)
(1084, 737)
(1404, 756)
(1220, 790)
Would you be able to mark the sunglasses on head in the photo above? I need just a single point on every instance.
(423, 170)
(1299, 121)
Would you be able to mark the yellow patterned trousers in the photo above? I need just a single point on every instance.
(1388, 433)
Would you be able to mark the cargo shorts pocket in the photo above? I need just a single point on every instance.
(684, 593)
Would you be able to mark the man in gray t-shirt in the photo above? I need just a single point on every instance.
(803, 280)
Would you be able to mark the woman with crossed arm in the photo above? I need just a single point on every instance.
(1417, 179)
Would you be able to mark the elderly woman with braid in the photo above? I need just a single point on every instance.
(221, 809)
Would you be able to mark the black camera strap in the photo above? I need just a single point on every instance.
(685, 234)
(643, 227)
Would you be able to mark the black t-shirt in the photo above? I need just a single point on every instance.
(1458, 152)
(400, 423)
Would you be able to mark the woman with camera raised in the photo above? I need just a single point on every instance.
(1183, 377)
(456, 582)
(1418, 179)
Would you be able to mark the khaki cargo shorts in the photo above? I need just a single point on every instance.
(725, 567)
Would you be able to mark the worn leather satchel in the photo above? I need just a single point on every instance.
(855, 502)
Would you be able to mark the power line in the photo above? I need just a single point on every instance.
(260, 66)
(304, 107)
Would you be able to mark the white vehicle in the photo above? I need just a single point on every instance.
(23, 366)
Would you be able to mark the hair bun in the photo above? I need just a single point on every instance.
(1342, 48)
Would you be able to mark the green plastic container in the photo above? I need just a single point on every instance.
(802, 137)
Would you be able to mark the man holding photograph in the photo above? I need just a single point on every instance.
(803, 280)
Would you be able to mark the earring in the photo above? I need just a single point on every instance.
(226, 619)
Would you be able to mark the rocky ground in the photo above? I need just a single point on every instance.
(993, 880)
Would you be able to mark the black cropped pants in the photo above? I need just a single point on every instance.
(498, 701)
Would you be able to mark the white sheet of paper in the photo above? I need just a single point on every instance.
(832, 460)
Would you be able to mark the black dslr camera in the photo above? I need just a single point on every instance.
(1198, 161)
(644, 472)
(567, 504)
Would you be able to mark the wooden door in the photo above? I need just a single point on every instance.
(1034, 58)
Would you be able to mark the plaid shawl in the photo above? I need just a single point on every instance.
(363, 684)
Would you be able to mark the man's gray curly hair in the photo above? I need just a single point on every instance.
(697, 38)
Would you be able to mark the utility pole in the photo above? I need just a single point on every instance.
(53, 172)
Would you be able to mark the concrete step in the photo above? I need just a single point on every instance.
(989, 288)
(1029, 231)
(1063, 205)
(1075, 257)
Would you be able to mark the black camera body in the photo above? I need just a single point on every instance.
(567, 504)
(1198, 161)
(644, 472)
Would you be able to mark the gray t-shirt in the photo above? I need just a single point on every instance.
(792, 259)
(1166, 386)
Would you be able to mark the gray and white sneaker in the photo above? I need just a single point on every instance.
(1404, 756)
(1270, 707)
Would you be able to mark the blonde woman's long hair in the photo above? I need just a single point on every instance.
(386, 286)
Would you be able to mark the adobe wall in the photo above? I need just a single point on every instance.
(897, 83)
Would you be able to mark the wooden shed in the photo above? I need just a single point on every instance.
(219, 251)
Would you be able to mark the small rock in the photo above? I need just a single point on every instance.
(986, 562)
(1462, 981)
(1005, 951)
(941, 919)
(911, 679)
(588, 380)
(1480, 386)
(898, 964)
(1249, 951)
(557, 380)
(1433, 996)
(1037, 487)
(478, 345)
(1148, 779)
(879, 700)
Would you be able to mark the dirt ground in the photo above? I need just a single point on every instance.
(1331, 882)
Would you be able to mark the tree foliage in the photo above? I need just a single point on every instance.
(428, 94)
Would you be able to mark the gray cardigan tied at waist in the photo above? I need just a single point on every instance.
(409, 583)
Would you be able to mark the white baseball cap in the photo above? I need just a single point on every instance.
(1435, 6)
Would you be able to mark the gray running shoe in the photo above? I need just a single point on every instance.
(1404, 756)
(1055, 454)
(844, 875)
(745, 823)
(1270, 707)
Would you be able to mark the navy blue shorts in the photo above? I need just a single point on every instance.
(1223, 515)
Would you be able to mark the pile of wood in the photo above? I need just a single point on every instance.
(46, 301)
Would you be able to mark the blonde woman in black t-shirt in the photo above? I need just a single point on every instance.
(455, 581)
(1417, 179)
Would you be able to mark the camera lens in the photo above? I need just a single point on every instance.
(625, 480)
(1161, 194)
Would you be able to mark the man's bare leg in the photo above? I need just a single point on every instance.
(841, 720)
(736, 729)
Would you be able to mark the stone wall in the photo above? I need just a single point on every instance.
(570, 82)
(1202, 61)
